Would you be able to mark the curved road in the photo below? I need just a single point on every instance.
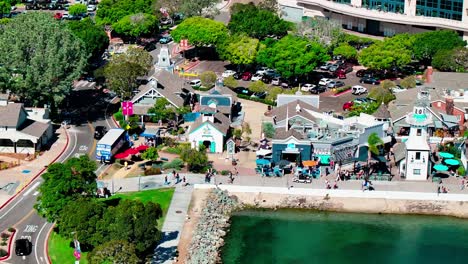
(20, 214)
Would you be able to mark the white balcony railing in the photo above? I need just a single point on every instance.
(386, 16)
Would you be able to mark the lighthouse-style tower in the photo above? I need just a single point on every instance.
(417, 146)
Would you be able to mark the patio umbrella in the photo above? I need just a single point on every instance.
(283, 163)
(263, 152)
(132, 151)
(263, 162)
(309, 163)
(142, 148)
(452, 162)
(446, 155)
(122, 155)
(440, 167)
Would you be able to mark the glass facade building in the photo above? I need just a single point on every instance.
(449, 9)
(393, 6)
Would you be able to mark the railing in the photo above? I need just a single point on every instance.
(387, 16)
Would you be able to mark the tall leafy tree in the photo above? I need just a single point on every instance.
(374, 142)
(451, 60)
(123, 70)
(150, 154)
(391, 52)
(199, 7)
(5, 8)
(427, 44)
(41, 58)
(94, 37)
(292, 55)
(162, 110)
(238, 49)
(111, 11)
(200, 31)
(257, 23)
(77, 9)
(64, 183)
(113, 251)
(136, 25)
(196, 159)
(345, 50)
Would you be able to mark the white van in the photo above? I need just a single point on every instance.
(358, 90)
(195, 83)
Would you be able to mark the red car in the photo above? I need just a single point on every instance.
(58, 16)
(341, 75)
(246, 76)
(347, 106)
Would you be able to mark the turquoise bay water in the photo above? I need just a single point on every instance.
(295, 237)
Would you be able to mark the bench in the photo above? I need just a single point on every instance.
(164, 159)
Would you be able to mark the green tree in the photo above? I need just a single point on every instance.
(382, 94)
(318, 29)
(134, 222)
(5, 8)
(258, 86)
(123, 70)
(387, 84)
(269, 5)
(77, 9)
(196, 160)
(150, 154)
(408, 82)
(199, 8)
(113, 251)
(94, 37)
(391, 52)
(111, 11)
(451, 60)
(64, 183)
(42, 58)
(257, 23)
(268, 130)
(292, 56)
(230, 82)
(374, 142)
(4, 21)
(208, 79)
(82, 218)
(238, 49)
(136, 25)
(273, 93)
(162, 110)
(427, 44)
(200, 31)
(345, 50)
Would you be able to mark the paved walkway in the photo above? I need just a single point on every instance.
(13, 180)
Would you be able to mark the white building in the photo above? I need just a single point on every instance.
(417, 163)
(210, 130)
(384, 17)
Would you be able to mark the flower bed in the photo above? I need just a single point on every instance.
(6, 238)
(342, 90)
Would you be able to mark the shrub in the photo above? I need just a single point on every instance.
(224, 172)
(408, 82)
(173, 164)
(3, 252)
(268, 130)
(5, 236)
(152, 171)
(11, 229)
(119, 116)
(265, 101)
(341, 89)
(461, 171)
(230, 82)
(208, 79)
(4, 243)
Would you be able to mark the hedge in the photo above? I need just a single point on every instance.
(264, 101)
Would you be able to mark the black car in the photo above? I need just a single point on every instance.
(267, 79)
(369, 80)
(237, 75)
(99, 132)
(243, 90)
(23, 247)
(318, 89)
(260, 95)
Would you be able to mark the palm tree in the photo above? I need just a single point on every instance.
(373, 142)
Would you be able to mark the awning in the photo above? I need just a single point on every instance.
(263, 152)
(362, 154)
(324, 159)
(150, 132)
(309, 163)
(438, 124)
(451, 125)
(290, 151)
(449, 118)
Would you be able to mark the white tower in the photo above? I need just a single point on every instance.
(164, 58)
(417, 147)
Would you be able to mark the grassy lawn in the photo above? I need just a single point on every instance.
(59, 249)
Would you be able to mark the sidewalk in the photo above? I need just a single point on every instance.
(15, 179)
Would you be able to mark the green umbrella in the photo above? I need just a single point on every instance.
(446, 155)
(440, 167)
(452, 162)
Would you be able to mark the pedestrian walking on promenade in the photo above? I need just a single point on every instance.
(165, 180)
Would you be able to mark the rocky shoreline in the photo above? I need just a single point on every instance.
(212, 227)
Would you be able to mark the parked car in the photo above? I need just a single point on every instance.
(362, 73)
(363, 100)
(326, 66)
(276, 81)
(369, 80)
(397, 89)
(165, 21)
(334, 67)
(246, 76)
(259, 95)
(419, 82)
(335, 84)
(165, 40)
(341, 75)
(262, 70)
(267, 79)
(237, 75)
(99, 132)
(348, 105)
(91, 8)
(358, 90)
(58, 16)
(307, 87)
(243, 90)
(23, 247)
(195, 83)
(318, 89)
(271, 73)
(325, 81)
(256, 77)
(345, 68)
(228, 73)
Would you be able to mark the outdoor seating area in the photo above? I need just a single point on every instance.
(447, 166)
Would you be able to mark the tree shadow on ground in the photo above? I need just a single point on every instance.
(162, 253)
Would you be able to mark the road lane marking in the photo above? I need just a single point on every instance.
(74, 146)
(32, 188)
(37, 242)
(35, 193)
(30, 229)
(24, 218)
(19, 201)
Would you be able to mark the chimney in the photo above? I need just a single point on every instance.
(429, 72)
(449, 105)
